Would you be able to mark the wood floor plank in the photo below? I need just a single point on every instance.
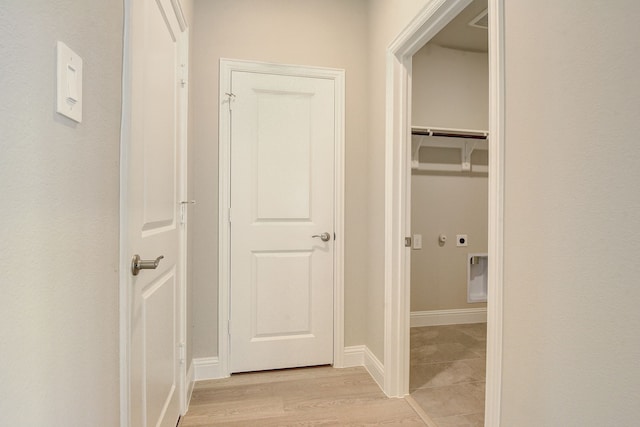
(290, 389)
(321, 396)
(245, 410)
(277, 375)
(391, 412)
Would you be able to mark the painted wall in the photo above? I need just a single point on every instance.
(572, 228)
(330, 33)
(449, 89)
(448, 204)
(60, 210)
(386, 20)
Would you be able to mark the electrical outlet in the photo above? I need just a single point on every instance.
(462, 240)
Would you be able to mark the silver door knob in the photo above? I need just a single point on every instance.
(138, 264)
(325, 237)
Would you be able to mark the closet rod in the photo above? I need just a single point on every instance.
(449, 133)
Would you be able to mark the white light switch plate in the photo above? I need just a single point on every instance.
(417, 241)
(69, 83)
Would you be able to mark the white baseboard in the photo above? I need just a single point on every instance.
(448, 317)
(360, 355)
(353, 356)
(206, 368)
(375, 367)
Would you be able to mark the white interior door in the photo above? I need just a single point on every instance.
(153, 227)
(283, 135)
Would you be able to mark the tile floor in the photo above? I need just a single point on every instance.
(448, 373)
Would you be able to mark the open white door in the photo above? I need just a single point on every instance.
(282, 222)
(152, 171)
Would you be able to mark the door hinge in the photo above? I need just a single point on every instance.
(407, 242)
(229, 215)
(183, 80)
(183, 210)
(230, 99)
(182, 355)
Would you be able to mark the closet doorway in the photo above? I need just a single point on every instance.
(424, 27)
(449, 220)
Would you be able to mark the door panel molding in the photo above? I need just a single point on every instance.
(227, 66)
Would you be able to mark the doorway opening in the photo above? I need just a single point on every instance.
(429, 22)
(448, 193)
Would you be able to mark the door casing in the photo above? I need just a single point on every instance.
(426, 24)
(227, 66)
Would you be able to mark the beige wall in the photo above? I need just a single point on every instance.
(451, 205)
(329, 33)
(386, 20)
(59, 231)
(449, 89)
(572, 228)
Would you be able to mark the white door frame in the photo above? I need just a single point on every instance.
(125, 271)
(227, 66)
(426, 24)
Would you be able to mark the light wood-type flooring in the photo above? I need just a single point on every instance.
(447, 389)
(447, 373)
(318, 396)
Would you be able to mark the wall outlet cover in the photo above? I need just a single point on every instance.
(462, 240)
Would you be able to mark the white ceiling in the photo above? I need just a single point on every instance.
(458, 34)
